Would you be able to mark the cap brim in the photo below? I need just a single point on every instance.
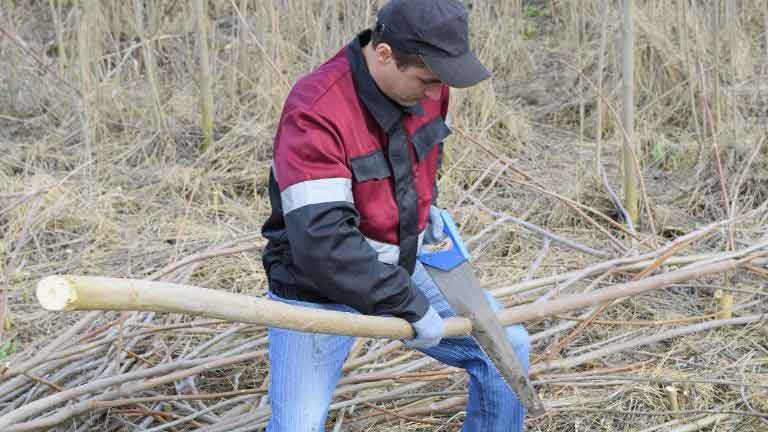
(461, 71)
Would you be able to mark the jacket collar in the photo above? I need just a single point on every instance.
(386, 112)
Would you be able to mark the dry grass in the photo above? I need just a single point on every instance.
(101, 172)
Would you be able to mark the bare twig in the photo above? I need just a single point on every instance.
(584, 358)
(501, 218)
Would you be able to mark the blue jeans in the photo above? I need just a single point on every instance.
(305, 368)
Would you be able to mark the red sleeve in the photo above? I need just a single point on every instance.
(308, 147)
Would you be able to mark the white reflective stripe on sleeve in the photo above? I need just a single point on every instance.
(316, 192)
(389, 253)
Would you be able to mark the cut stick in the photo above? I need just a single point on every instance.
(68, 293)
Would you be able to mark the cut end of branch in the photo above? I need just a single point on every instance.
(55, 293)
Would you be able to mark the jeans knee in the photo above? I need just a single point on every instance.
(517, 335)
(521, 343)
(310, 418)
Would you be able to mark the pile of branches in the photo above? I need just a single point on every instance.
(102, 173)
(153, 371)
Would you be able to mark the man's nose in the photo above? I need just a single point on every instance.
(433, 91)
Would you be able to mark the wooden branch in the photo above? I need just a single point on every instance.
(413, 419)
(630, 173)
(572, 362)
(539, 259)
(199, 396)
(619, 264)
(66, 293)
(501, 218)
(42, 355)
(156, 376)
(206, 90)
(576, 301)
(643, 261)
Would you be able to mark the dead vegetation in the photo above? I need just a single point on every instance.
(103, 171)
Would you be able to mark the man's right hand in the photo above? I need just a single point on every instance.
(429, 330)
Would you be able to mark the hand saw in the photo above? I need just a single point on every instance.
(447, 262)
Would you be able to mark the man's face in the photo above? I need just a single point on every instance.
(407, 85)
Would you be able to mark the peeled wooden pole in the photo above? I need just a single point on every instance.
(66, 293)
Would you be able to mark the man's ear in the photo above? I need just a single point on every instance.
(384, 53)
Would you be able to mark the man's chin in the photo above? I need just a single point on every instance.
(409, 103)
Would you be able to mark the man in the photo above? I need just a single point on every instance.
(352, 189)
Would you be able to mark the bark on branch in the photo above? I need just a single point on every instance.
(66, 293)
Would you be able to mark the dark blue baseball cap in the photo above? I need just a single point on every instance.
(438, 31)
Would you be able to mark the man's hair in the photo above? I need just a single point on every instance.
(402, 60)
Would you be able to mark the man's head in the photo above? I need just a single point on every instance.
(419, 45)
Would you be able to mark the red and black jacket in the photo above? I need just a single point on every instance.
(352, 181)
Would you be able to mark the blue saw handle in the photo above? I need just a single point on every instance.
(448, 253)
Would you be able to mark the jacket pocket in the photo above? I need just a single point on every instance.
(425, 138)
(370, 166)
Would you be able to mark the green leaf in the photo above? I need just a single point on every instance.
(6, 349)
(532, 11)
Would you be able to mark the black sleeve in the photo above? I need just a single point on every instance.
(328, 248)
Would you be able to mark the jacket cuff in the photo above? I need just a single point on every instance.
(419, 306)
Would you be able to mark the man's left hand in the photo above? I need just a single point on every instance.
(435, 227)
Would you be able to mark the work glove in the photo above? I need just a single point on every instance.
(435, 226)
(429, 330)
